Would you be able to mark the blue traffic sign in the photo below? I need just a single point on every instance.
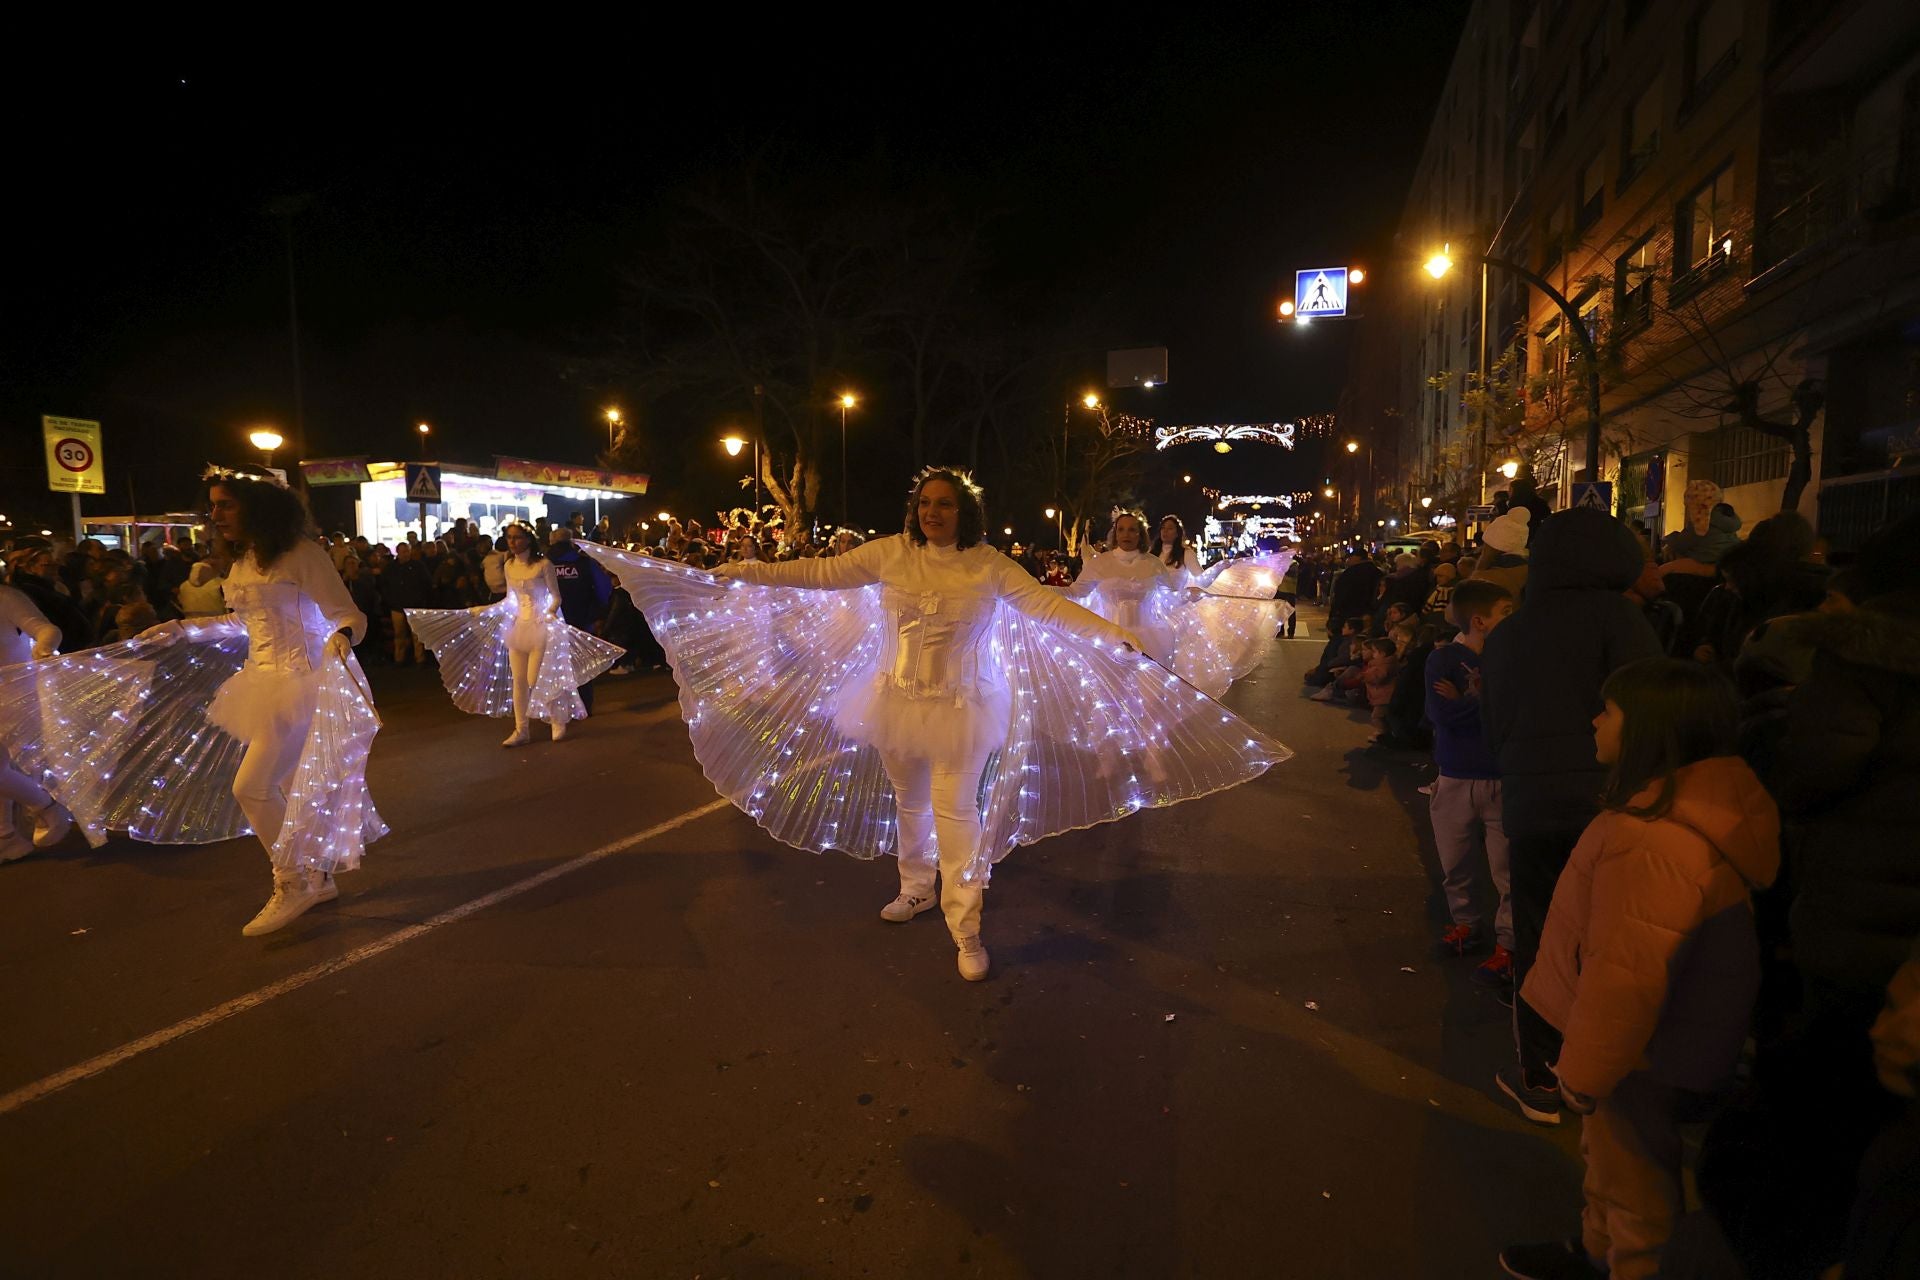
(1320, 292)
(1597, 495)
(423, 482)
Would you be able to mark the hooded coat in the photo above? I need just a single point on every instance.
(1848, 765)
(1722, 536)
(1650, 960)
(1543, 667)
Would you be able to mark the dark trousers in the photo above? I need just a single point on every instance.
(1535, 860)
(1292, 600)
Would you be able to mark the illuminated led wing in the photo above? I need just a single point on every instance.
(330, 816)
(1099, 734)
(120, 736)
(1095, 735)
(760, 670)
(1251, 577)
(471, 649)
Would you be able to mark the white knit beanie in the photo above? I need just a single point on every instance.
(1509, 532)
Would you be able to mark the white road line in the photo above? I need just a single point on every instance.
(254, 999)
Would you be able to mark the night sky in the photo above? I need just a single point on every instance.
(467, 228)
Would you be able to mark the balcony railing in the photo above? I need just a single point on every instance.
(1834, 206)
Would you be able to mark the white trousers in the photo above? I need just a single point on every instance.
(525, 666)
(18, 790)
(939, 815)
(260, 783)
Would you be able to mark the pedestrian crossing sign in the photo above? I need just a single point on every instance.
(423, 482)
(1597, 496)
(1320, 292)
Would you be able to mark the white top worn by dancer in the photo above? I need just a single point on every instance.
(24, 631)
(1117, 585)
(535, 593)
(290, 611)
(933, 661)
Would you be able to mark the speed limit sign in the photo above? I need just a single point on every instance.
(73, 455)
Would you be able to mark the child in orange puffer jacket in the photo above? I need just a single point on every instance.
(1649, 963)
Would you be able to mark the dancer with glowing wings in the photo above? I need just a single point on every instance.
(516, 655)
(26, 636)
(1209, 628)
(923, 696)
(197, 731)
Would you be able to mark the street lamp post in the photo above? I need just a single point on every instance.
(847, 401)
(266, 440)
(733, 445)
(424, 431)
(1440, 263)
(613, 420)
(1059, 539)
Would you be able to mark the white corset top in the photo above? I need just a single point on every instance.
(280, 623)
(527, 584)
(934, 648)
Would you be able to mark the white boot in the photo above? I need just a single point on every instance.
(519, 737)
(14, 845)
(294, 892)
(559, 729)
(50, 825)
(973, 958)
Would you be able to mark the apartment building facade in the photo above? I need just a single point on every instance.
(1727, 193)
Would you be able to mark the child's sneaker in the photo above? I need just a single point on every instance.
(1462, 940)
(1496, 970)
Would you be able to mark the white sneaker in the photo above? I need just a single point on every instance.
(905, 907)
(559, 729)
(518, 738)
(50, 825)
(1323, 694)
(14, 846)
(294, 892)
(622, 670)
(973, 958)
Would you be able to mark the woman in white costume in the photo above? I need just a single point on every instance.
(516, 655)
(1208, 627)
(1129, 587)
(198, 731)
(26, 636)
(923, 696)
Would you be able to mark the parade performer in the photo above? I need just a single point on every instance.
(1171, 548)
(516, 655)
(197, 731)
(26, 636)
(1209, 629)
(922, 696)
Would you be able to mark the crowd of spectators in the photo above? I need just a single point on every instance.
(1672, 821)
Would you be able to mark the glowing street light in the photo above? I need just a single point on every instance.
(1439, 264)
(1186, 479)
(847, 401)
(1286, 309)
(1049, 513)
(1426, 502)
(1356, 276)
(1090, 400)
(1327, 492)
(1353, 446)
(613, 420)
(424, 431)
(665, 516)
(266, 440)
(1510, 469)
(733, 444)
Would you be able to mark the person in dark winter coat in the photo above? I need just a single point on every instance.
(1542, 672)
(1406, 586)
(585, 592)
(1354, 591)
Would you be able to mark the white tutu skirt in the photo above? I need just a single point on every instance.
(146, 738)
(472, 649)
(875, 713)
(265, 704)
(778, 687)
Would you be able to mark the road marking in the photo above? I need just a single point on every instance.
(380, 946)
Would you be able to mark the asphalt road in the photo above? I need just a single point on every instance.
(700, 1054)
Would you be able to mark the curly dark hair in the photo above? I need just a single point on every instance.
(273, 520)
(973, 506)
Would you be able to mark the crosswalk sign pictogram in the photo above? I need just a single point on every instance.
(1320, 291)
(423, 482)
(1597, 496)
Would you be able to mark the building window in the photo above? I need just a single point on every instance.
(1703, 232)
(1593, 184)
(1740, 455)
(1713, 46)
(1633, 287)
(1553, 364)
(1639, 134)
(1587, 305)
(1593, 59)
(1556, 120)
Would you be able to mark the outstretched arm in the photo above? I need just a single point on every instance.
(858, 568)
(1037, 602)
